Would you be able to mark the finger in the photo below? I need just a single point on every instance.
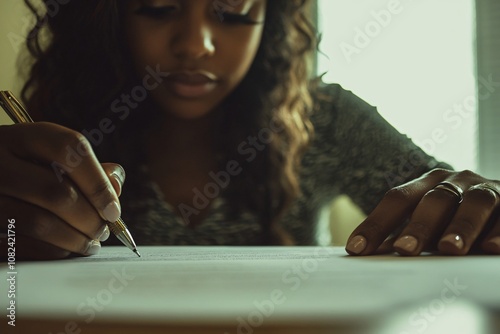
(427, 222)
(386, 247)
(39, 224)
(392, 211)
(68, 153)
(36, 184)
(491, 243)
(27, 248)
(116, 175)
(472, 215)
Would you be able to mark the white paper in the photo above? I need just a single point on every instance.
(224, 284)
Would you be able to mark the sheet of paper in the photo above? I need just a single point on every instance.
(227, 284)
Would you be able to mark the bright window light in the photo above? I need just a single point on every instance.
(414, 61)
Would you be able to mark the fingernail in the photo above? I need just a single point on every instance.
(356, 245)
(93, 248)
(104, 234)
(112, 212)
(120, 173)
(492, 245)
(407, 243)
(453, 239)
(119, 180)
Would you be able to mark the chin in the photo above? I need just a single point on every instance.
(188, 111)
(187, 108)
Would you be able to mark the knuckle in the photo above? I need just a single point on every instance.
(399, 194)
(63, 194)
(439, 172)
(102, 192)
(79, 143)
(74, 140)
(467, 174)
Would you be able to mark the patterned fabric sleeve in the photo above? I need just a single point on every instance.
(371, 155)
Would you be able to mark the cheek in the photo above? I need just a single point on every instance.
(145, 45)
(237, 52)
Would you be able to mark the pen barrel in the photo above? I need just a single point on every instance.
(14, 109)
(120, 230)
(117, 226)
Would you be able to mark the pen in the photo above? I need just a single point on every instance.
(16, 111)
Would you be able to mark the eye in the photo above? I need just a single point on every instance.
(231, 18)
(156, 13)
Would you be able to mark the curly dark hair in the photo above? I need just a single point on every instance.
(85, 56)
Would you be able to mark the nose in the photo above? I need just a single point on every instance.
(194, 40)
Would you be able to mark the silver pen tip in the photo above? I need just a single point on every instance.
(137, 252)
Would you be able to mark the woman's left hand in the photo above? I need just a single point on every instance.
(451, 212)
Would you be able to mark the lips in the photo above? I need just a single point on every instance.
(189, 85)
(196, 77)
(190, 79)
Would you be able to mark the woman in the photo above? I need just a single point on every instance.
(209, 108)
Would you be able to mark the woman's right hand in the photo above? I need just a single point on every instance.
(55, 191)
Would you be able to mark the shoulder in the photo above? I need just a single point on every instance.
(332, 96)
(335, 107)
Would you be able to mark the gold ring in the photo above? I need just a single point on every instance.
(452, 188)
(487, 187)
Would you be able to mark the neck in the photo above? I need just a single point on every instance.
(178, 141)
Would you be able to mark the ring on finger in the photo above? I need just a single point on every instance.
(452, 188)
(486, 187)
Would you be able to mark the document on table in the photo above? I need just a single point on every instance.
(234, 285)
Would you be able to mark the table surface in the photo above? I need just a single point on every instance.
(255, 290)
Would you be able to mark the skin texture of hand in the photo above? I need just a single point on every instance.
(55, 213)
(438, 219)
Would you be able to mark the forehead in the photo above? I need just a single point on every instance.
(217, 6)
(222, 4)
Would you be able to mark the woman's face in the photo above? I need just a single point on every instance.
(202, 48)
